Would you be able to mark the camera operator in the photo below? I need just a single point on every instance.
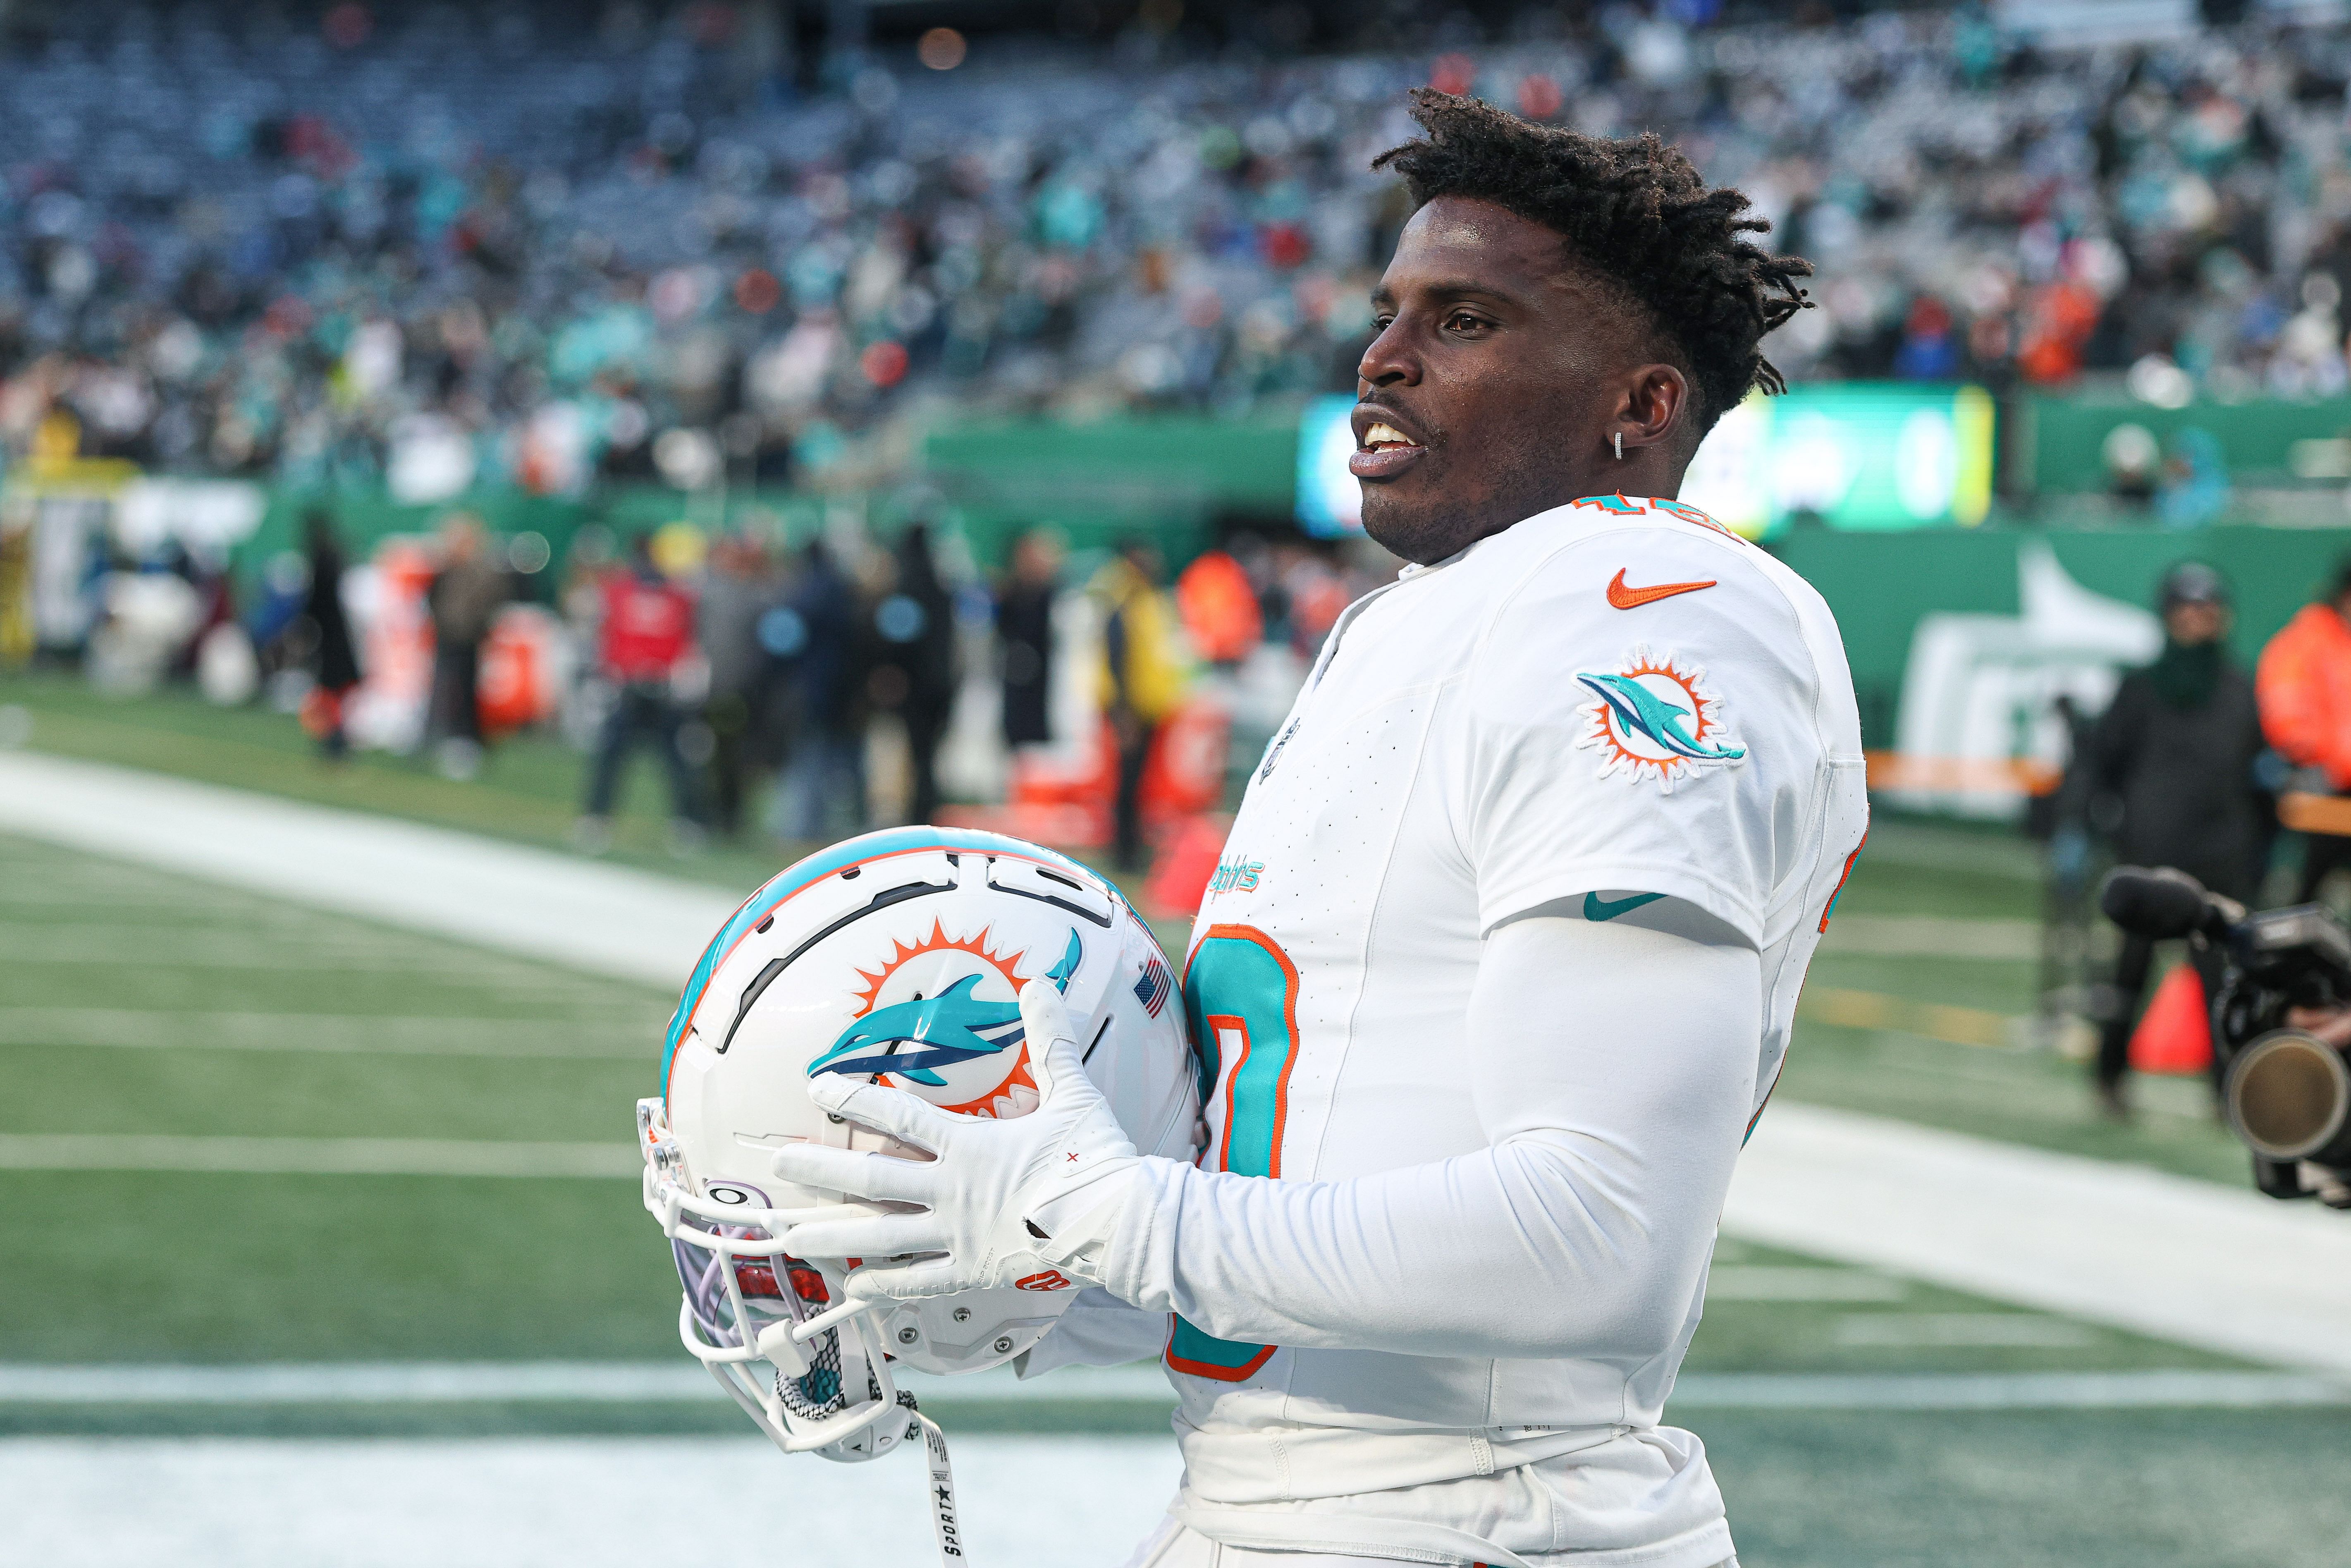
(2281, 1017)
(2175, 751)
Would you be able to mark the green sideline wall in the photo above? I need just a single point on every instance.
(2055, 442)
(1879, 585)
(1175, 479)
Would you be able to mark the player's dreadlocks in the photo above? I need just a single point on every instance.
(1636, 214)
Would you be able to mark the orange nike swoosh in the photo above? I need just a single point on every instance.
(1625, 597)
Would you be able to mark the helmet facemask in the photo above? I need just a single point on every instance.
(780, 1335)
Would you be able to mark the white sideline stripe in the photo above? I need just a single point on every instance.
(2187, 1260)
(314, 1157)
(2193, 1262)
(423, 1382)
(605, 920)
(2000, 1390)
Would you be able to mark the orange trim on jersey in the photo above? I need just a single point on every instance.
(1830, 907)
(1226, 1072)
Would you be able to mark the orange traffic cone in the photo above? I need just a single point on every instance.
(2175, 1034)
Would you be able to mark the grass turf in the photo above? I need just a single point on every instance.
(208, 1267)
(530, 791)
(2072, 1488)
(228, 1267)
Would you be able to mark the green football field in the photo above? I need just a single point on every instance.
(141, 1011)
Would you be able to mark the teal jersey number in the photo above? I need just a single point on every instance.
(1241, 991)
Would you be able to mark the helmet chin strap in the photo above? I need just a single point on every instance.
(946, 1526)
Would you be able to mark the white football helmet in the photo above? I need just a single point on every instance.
(898, 955)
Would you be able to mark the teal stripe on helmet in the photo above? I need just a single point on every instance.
(806, 873)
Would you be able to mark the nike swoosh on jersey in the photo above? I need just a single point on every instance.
(1625, 597)
(1598, 908)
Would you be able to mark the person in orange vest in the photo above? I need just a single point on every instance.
(2304, 685)
(1219, 609)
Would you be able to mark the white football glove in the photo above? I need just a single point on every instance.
(991, 1198)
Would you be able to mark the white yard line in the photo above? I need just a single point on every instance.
(2186, 1261)
(1074, 1500)
(2191, 1261)
(604, 919)
(2000, 1390)
(588, 1382)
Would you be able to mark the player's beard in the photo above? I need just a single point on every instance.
(1440, 515)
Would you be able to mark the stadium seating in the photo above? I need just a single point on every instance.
(477, 244)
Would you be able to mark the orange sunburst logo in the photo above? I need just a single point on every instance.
(1654, 719)
(1017, 1092)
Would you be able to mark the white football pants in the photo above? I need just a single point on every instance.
(1172, 1545)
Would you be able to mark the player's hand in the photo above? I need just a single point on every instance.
(992, 1195)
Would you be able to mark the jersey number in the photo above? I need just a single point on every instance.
(1241, 991)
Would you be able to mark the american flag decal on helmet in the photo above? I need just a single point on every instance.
(1153, 988)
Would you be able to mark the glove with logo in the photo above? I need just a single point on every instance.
(1003, 1200)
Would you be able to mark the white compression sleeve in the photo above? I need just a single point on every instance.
(1613, 1068)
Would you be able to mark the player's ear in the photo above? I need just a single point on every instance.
(1652, 404)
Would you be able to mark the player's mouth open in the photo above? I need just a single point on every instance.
(1382, 452)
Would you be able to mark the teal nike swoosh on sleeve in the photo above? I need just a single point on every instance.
(1598, 908)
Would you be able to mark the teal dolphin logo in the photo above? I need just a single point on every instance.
(942, 1030)
(1061, 973)
(1644, 712)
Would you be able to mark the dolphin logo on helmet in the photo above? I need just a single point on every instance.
(954, 1026)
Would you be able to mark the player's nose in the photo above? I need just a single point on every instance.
(1389, 361)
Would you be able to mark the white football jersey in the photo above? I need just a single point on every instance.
(1609, 703)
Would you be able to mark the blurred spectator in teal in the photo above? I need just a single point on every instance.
(2195, 488)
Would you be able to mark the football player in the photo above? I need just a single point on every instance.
(1501, 960)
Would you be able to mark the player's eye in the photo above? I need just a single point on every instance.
(1463, 321)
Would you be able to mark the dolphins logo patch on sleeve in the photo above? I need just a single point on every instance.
(1656, 718)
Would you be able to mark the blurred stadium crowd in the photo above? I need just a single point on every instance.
(447, 247)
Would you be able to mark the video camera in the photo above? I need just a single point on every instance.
(2286, 1092)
